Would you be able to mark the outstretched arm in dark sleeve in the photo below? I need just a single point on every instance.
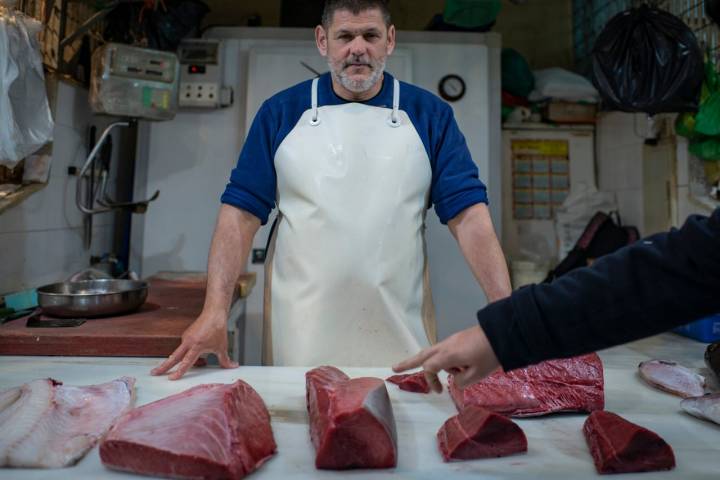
(658, 283)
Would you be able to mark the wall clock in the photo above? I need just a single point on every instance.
(451, 87)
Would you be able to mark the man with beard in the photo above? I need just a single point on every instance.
(353, 158)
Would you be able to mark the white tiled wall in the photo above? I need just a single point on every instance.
(41, 239)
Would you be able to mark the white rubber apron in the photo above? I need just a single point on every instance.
(346, 274)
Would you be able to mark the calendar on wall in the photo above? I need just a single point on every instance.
(540, 177)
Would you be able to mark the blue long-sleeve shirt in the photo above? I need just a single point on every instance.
(455, 184)
(652, 286)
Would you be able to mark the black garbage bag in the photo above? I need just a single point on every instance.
(712, 10)
(647, 60)
(166, 28)
(161, 29)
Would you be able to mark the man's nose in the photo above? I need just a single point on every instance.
(358, 46)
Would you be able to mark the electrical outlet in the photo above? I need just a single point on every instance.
(199, 94)
(258, 255)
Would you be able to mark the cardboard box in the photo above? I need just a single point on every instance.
(568, 112)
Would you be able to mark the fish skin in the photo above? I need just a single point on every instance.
(672, 377)
(706, 407)
(48, 425)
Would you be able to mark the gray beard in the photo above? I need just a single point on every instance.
(358, 86)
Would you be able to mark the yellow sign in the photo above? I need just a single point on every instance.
(541, 147)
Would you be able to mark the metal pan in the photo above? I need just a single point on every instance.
(92, 298)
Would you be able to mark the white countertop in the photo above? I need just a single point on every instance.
(556, 447)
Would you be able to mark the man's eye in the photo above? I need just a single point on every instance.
(346, 38)
(371, 36)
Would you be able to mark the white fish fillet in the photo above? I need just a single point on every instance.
(672, 377)
(45, 424)
(706, 407)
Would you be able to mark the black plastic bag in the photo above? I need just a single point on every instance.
(648, 60)
(166, 28)
(161, 29)
(712, 10)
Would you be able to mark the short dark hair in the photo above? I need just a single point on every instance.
(355, 6)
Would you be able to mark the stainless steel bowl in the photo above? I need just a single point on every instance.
(92, 298)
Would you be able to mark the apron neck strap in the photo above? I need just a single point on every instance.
(314, 119)
(394, 120)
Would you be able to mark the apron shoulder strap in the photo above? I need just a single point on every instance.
(394, 120)
(314, 118)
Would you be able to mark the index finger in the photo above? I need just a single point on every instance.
(414, 361)
(430, 370)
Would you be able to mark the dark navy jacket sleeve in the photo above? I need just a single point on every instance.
(652, 286)
(252, 185)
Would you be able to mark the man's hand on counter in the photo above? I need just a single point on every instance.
(207, 334)
(467, 355)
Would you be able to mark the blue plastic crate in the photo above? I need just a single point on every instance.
(706, 329)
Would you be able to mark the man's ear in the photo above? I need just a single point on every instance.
(391, 39)
(321, 40)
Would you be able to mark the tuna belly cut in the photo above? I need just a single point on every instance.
(566, 385)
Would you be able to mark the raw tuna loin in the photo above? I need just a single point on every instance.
(215, 431)
(351, 420)
(568, 385)
(619, 446)
(45, 424)
(479, 433)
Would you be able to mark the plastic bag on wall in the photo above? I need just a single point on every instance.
(648, 60)
(25, 120)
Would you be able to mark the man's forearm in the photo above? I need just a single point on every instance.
(229, 251)
(474, 232)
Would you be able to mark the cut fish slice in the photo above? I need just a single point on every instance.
(706, 407)
(479, 433)
(411, 382)
(672, 378)
(46, 424)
